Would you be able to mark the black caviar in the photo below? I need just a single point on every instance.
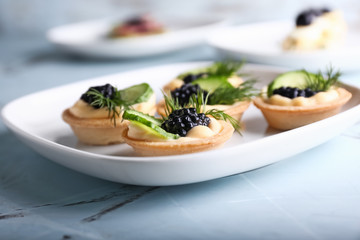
(192, 77)
(307, 17)
(293, 92)
(183, 120)
(106, 90)
(183, 94)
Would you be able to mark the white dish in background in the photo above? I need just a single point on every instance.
(259, 146)
(90, 38)
(261, 43)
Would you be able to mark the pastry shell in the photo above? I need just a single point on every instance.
(236, 110)
(175, 147)
(289, 117)
(97, 131)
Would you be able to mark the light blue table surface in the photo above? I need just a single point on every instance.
(313, 195)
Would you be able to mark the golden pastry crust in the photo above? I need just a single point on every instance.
(236, 110)
(97, 131)
(289, 117)
(175, 147)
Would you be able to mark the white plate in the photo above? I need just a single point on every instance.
(89, 38)
(43, 130)
(261, 43)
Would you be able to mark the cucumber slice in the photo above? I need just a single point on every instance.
(143, 118)
(153, 131)
(211, 84)
(297, 79)
(148, 124)
(136, 94)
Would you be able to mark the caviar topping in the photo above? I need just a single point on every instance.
(183, 120)
(107, 91)
(199, 104)
(306, 17)
(293, 92)
(114, 100)
(183, 94)
(302, 83)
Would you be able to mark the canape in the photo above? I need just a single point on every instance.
(96, 117)
(317, 29)
(221, 84)
(298, 98)
(183, 130)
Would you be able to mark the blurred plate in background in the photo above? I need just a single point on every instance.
(90, 38)
(261, 43)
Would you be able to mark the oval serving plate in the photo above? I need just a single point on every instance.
(47, 134)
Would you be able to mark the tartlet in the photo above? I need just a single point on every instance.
(176, 147)
(183, 130)
(289, 117)
(317, 29)
(286, 106)
(101, 125)
(220, 84)
(95, 131)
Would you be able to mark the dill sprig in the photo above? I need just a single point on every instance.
(224, 69)
(317, 82)
(199, 101)
(229, 96)
(109, 104)
(220, 115)
(171, 104)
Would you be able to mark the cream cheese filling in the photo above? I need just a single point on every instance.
(82, 109)
(319, 98)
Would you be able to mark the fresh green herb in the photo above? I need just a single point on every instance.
(229, 96)
(110, 104)
(121, 99)
(171, 104)
(217, 69)
(320, 83)
(199, 101)
(220, 115)
(226, 68)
